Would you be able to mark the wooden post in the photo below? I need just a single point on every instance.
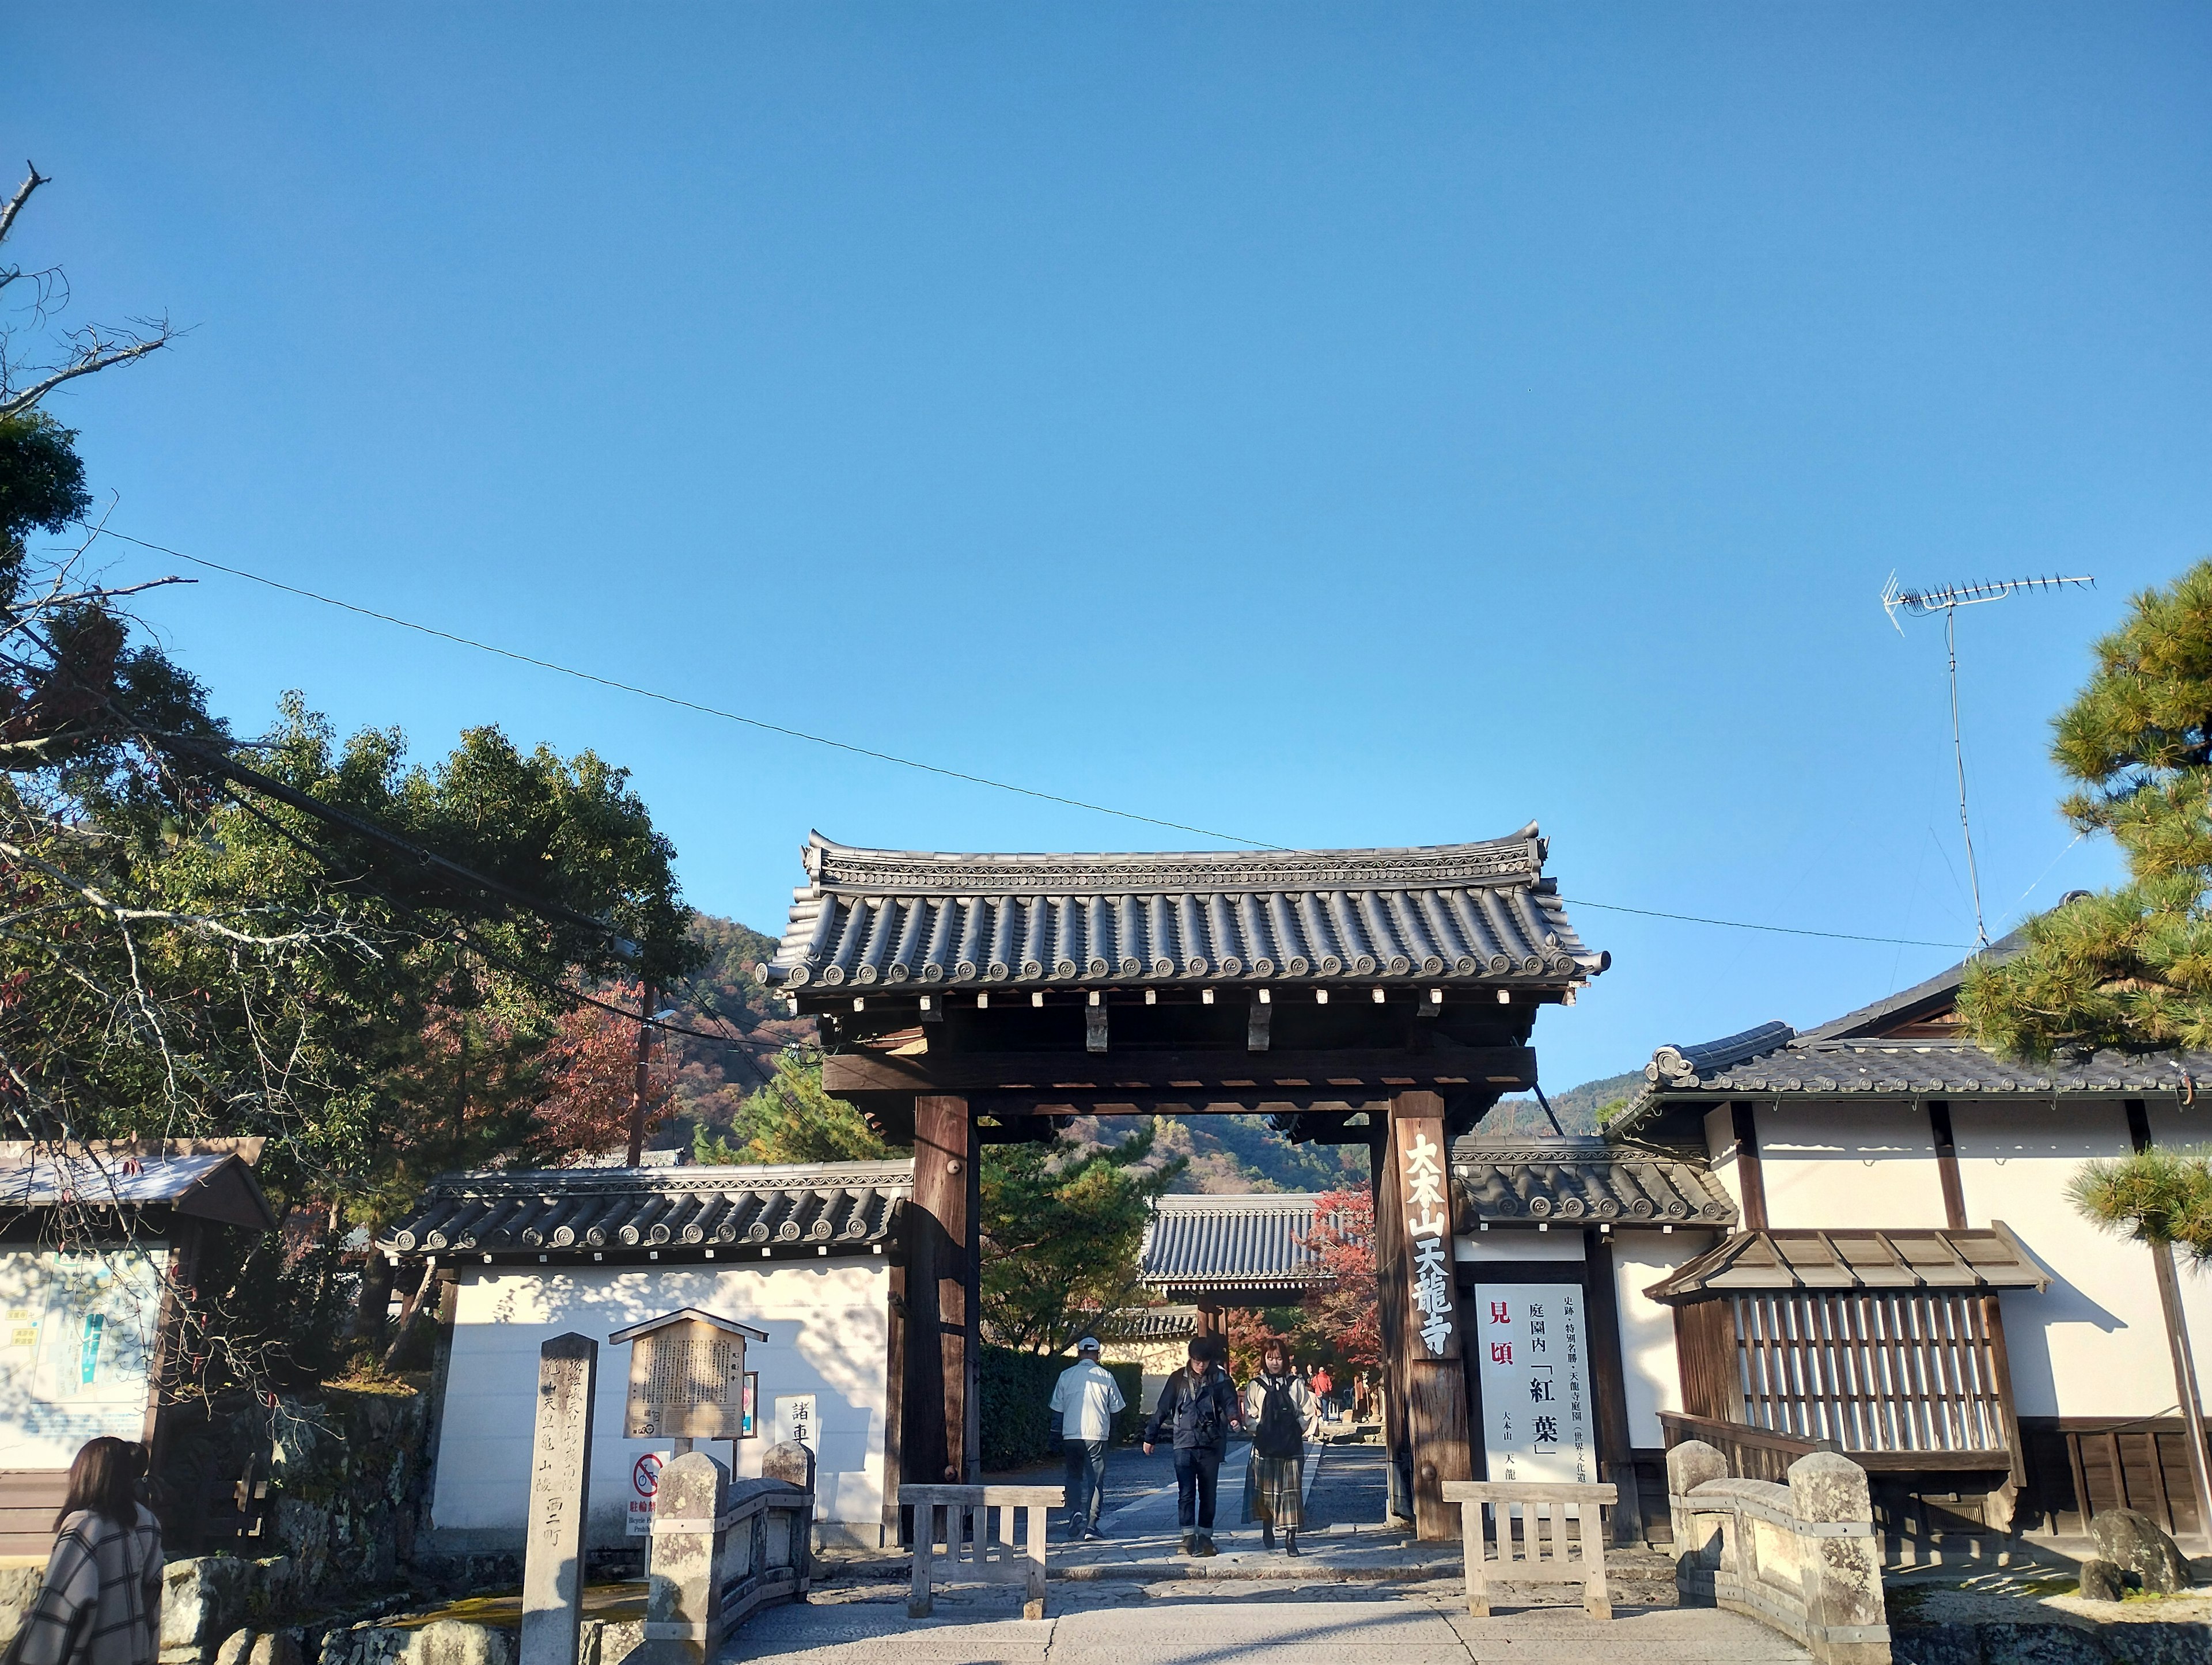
(1748, 1176)
(2177, 1341)
(1947, 1164)
(1608, 1384)
(1391, 1302)
(942, 1280)
(894, 1406)
(1436, 1375)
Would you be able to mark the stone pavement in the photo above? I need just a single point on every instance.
(1212, 1621)
(1361, 1594)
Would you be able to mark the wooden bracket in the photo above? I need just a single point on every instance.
(1094, 1023)
(1256, 1030)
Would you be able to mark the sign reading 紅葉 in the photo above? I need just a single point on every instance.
(1536, 1415)
(1428, 1224)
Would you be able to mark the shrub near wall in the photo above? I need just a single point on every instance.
(1017, 1406)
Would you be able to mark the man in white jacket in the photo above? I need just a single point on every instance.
(1085, 1399)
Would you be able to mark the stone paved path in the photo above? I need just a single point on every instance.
(1211, 1622)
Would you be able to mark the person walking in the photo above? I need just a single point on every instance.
(1284, 1414)
(1323, 1390)
(101, 1601)
(1196, 1409)
(1085, 1399)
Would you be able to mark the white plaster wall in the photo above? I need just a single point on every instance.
(2094, 1344)
(1519, 1242)
(1652, 1376)
(1833, 1163)
(1720, 1150)
(828, 1327)
(2171, 1124)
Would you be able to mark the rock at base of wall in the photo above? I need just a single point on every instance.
(2102, 1581)
(2146, 1644)
(441, 1642)
(610, 1641)
(2134, 1542)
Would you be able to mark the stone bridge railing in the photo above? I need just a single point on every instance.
(721, 1548)
(1801, 1557)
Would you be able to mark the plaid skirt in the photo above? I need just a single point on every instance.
(1271, 1490)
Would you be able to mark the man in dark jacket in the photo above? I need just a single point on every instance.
(1197, 1408)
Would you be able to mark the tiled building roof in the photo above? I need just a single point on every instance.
(1756, 1262)
(1906, 1045)
(1477, 913)
(836, 1207)
(1256, 1242)
(1584, 1181)
(207, 1179)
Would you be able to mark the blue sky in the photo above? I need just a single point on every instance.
(1334, 426)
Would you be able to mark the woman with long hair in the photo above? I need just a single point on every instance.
(1280, 1408)
(101, 1601)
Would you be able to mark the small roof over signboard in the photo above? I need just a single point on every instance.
(205, 1178)
(1876, 1261)
(684, 1316)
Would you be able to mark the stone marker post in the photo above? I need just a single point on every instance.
(560, 1476)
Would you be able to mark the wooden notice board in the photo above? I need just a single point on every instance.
(687, 1380)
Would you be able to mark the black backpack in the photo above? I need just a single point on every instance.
(1280, 1434)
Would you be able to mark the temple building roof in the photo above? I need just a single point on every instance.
(1910, 1044)
(1470, 913)
(809, 1209)
(1977, 1260)
(1252, 1243)
(1583, 1181)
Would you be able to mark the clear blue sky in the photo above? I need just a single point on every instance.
(1366, 425)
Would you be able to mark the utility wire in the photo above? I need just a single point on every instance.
(906, 762)
(694, 705)
(1741, 924)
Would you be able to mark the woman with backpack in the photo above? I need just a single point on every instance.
(101, 1601)
(1284, 1414)
(1197, 1408)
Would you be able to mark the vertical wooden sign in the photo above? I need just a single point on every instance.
(559, 1477)
(1436, 1374)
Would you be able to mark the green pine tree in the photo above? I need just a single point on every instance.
(2129, 969)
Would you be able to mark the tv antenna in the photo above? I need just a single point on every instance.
(1920, 603)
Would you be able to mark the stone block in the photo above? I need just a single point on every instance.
(202, 1600)
(791, 1462)
(2134, 1542)
(453, 1642)
(19, 1588)
(2040, 1645)
(2102, 1581)
(234, 1648)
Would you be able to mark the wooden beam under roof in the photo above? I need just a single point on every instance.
(1040, 1075)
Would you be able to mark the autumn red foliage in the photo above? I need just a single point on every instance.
(1346, 1313)
(591, 1082)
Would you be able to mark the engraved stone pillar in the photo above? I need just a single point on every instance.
(560, 1472)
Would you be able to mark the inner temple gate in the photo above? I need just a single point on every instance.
(1383, 996)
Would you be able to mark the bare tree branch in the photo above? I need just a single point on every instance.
(32, 181)
(90, 359)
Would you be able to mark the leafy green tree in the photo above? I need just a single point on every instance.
(792, 1120)
(2129, 969)
(1062, 1225)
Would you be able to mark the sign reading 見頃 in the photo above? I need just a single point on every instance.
(1535, 1360)
(1428, 1224)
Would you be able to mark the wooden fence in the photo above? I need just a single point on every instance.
(1537, 1505)
(976, 1524)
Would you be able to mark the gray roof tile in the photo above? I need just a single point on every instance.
(1465, 913)
(1214, 1242)
(1583, 1181)
(845, 1206)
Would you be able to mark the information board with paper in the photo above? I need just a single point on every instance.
(77, 1336)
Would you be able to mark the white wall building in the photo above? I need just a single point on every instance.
(805, 1254)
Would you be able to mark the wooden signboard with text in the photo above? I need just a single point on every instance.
(687, 1378)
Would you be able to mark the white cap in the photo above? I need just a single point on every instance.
(1088, 1344)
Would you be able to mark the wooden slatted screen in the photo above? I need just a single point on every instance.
(1909, 1371)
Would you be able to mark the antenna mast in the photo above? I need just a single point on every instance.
(1919, 604)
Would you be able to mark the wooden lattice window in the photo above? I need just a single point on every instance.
(1909, 1371)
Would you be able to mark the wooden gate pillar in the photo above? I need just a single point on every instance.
(1431, 1342)
(941, 1403)
(1391, 1304)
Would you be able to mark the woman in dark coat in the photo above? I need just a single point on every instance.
(101, 1601)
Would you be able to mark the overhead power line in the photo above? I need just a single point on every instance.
(761, 723)
(766, 727)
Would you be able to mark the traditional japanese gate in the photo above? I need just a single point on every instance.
(1381, 997)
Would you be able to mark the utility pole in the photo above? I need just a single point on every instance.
(649, 998)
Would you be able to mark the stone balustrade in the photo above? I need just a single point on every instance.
(1801, 1557)
(721, 1549)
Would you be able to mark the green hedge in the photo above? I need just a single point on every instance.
(1017, 1406)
